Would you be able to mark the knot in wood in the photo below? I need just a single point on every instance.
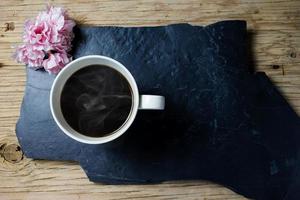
(12, 153)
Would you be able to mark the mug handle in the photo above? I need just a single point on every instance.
(152, 102)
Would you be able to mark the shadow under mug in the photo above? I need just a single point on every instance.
(142, 102)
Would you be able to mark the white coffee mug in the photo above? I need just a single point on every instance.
(147, 102)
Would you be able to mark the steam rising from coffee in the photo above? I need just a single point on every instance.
(96, 100)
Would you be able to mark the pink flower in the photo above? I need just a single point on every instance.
(50, 32)
(55, 62)
(32, 55)
(60, 32)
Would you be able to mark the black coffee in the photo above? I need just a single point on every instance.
(96, 100)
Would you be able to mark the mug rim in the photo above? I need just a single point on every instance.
(66, 73)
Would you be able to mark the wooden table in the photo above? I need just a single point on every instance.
(275, 29)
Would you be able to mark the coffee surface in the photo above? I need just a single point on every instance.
(96, 100)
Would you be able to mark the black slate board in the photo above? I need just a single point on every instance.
(221, 122)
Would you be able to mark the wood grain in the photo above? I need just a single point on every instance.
(275, 38)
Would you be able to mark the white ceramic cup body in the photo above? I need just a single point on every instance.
(153, 102)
